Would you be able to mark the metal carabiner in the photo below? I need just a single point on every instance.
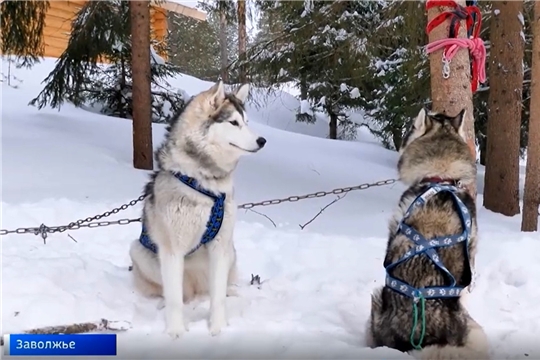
(445, 67)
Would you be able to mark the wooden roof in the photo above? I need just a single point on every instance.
(182, 9)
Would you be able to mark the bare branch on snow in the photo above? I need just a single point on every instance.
(322, 210)
(266, 216)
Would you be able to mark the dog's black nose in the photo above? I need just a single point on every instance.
(261, 141)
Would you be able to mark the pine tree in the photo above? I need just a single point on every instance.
(225, 11)
(318, 49)
(393, 78)
(396, 83)
(101, 32)
(531, 196)
(194, 46)
(501, 188)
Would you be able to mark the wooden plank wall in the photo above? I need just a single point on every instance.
(159, 23)
(61, 14)
(58, 25)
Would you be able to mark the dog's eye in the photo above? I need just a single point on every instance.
(234, 123)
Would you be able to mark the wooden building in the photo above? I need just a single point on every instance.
(62, 12)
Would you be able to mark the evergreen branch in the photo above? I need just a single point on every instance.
(101, 32)
(21, 26)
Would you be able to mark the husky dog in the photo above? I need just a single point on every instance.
(431, 249)
(186, 247)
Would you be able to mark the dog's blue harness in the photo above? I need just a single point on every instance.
(212, 226)
(427, 247)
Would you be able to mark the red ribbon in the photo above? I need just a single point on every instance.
(473, 20)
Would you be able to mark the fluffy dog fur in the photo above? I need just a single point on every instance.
(434, 147)
(204, 142)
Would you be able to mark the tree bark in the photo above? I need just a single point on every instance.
(303, 87)
(142, 96)
(482, 150)
(397, 138)
(450, 96)
(242, 39)
(333, 125)
(531, 196)
(223, 45)
(501, 182)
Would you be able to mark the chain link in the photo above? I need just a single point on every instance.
(90, 222)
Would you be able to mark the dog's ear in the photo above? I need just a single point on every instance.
(217, 94)
(458, 122)
(421, 121)
(242, 93)
(418, 128)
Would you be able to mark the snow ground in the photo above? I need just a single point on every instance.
(315, 296)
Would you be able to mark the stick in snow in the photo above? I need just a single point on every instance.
(266, 216)
(102, 325)
(322, 210)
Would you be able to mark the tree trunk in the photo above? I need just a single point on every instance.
(501, 182)
(142, 97)
(397, 137)
(333, 125)
(123, 87)
(454, 94)
(531, 196)
(482, 149)
(223, 45)
(303, 86)
(242, 39)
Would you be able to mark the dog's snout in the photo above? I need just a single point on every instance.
(261, 141)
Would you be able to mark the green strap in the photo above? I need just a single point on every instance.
(418, 346)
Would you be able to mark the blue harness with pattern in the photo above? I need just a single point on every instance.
(212, 226)
(428, 246)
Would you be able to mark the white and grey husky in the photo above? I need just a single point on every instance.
(186, 246)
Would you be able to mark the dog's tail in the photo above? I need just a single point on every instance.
(376, 307)
(376, 301)
(476, 347)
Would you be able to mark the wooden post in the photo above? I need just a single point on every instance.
(531, 197)
(142, 95)
(454, 94)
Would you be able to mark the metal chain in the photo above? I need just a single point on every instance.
(89, 222)
(43, 229)
(317, 194)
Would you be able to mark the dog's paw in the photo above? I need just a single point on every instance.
(174, 318)
(160, 304)
(231, 292)
(177, 330)
(216, 324)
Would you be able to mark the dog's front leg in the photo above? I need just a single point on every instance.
(219, 263)
(172, 273)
